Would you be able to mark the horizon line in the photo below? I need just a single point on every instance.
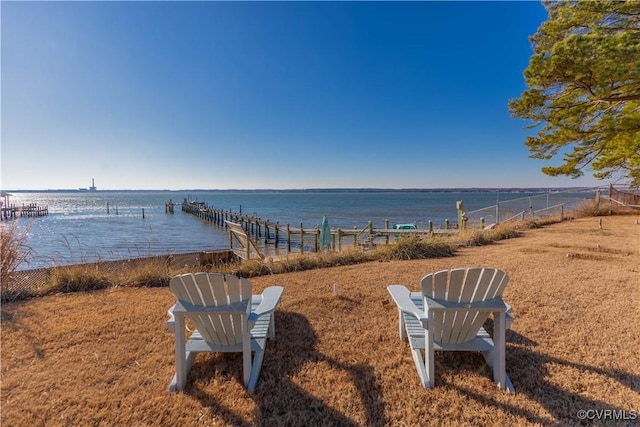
(311, 189)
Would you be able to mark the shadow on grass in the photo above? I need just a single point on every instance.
(530, 373)
(11, 322)
(279, 400)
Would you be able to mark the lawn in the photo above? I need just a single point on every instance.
(106, 357)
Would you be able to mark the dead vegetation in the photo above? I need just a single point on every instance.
(106, 357)
(13, 252)
(157, 271)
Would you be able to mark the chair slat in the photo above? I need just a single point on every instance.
(211, 327)
(471, 283)
(474, 286)
(456, 284)
(233, 289)
(439, 291)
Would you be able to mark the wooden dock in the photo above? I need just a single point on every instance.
(30, 210)
(287, 238)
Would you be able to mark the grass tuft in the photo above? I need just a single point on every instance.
(415, 248)
(147, 274)
(77, 278)
(590, 208)
(13, 252)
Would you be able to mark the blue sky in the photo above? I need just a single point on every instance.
(230, 95)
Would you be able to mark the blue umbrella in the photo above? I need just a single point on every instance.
(325, 235)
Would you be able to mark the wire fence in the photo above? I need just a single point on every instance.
(24, 282)
(528, 207)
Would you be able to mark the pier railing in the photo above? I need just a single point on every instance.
(286, 238)
(625, 196)
(275, 238)
(30, 210)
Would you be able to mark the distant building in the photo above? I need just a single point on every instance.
(92, 188)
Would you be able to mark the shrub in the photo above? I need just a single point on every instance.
(77, 278)
(148, 273)
(589, 208)
(13, 252)
(413, 247)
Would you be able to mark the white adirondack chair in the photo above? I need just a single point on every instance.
(448, 316)
(227, 318)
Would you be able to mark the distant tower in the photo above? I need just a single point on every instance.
(93, 185)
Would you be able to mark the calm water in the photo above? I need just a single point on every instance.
(106, 225)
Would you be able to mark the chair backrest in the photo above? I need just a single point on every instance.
(459, 325)
(231, 296)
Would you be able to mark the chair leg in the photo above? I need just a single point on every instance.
(180, 378)
(425, 366)
(498, 353)
(401, 326)
(258, 356)
(418, 360)
(190, 356)
(271, 334)
(246, 352)
(429, 354)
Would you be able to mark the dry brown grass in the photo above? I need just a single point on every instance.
(106, 357)
(13, 252)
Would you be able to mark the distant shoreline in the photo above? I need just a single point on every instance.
(332, 190)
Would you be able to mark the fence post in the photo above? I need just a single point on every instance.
(386, 227)
(460, 209)
(531, 214)
(301, 239)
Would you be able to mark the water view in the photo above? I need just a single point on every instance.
(110, 225)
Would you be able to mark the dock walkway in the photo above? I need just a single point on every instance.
(285, 237)
(30, 210)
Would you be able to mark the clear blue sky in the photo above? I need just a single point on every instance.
(225, 95)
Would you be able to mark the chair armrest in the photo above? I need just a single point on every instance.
(171, 323)
(270, 299)
(508, 316)
(401, 296)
